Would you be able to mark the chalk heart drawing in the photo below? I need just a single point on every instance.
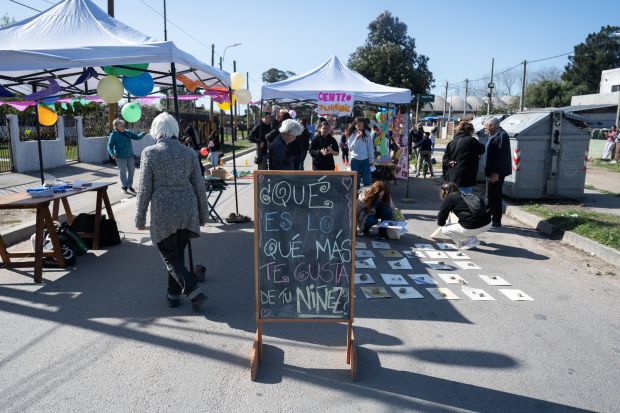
(347, 182)
(264, 313)
(260, 178)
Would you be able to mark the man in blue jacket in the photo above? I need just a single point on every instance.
(497, 166)
(121, 150)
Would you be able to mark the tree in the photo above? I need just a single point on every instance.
(6, 20)
(601, 51)
(388, 57)
(547, 73)
(274, 75)
(552, 93)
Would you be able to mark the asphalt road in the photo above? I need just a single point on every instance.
(100, 337)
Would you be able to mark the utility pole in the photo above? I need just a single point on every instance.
(465, 106)
(166, 39)
(247, 80)
(491, 85)
(445, 101)
(523, 86)
(111, 106)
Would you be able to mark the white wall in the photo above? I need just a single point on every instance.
(139, 146)
(598, 99)
(609, 78)
(26, 154)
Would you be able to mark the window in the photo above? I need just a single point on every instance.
(615, 88)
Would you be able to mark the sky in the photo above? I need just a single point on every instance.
(459, 38)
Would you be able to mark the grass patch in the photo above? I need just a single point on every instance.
(590, 187)
(603, 228)
(614, 167)
(602, 191)
(12, 221)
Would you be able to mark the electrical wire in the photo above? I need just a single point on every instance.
(32, 8)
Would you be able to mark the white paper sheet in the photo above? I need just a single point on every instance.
(390, 253)
(365, 263)
(414, 254)
(410, 293)
(400, 264)
(438, 293)
(381, 245)
(392, 224)
(516, 295)
(467, 265)
(457, 255)
(424, 247)
(452, 278)
(361, 245)
(394, 279)
(368, 279)
(422, 279)
(372, 168)
(436, 266)
(364, 254)
(494, 281)
(477, 294)
(447, 246)
(77, 184)
(437, 254)
(381, 294)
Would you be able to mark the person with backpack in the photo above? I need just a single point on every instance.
(473, 214)
(121, 150)
(461, 157)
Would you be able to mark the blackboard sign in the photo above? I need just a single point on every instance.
(304, 245)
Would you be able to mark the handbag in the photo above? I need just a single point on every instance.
(67, 246)
(68, 231)
(108, 230)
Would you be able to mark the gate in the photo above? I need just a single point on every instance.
(71, 136)
(5, 145)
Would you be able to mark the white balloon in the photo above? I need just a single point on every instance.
(243, 96)
(237, 80)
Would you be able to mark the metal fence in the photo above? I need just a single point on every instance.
(28, 129)
(94, 124)
(71, 137)
(5, 145)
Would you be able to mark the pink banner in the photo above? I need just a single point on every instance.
(21, 106)
(148, 100)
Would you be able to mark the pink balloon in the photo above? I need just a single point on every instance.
(292, 113)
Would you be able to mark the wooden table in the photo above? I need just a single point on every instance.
(23, 200)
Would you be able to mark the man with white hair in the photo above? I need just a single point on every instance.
(497, 166)
(280, 154)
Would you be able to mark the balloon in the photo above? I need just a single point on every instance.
(140, 85)
(110, 89)
(131, 112)
(117, 71)
(226, 105)
(243, 96)
(204, 152)
(236, 81)
(47, 115)
(292, 113)
(378, 116)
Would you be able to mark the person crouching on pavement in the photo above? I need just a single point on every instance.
(373, 204)
(171, 182)
(121, 150)
(472, 212)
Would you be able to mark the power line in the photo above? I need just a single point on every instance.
(25, 6)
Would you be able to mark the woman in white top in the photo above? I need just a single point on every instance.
(361, 149)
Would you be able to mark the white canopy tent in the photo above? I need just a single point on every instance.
(72, 35)
(334, 76)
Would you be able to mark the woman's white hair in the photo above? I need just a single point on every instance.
(118, 121)
(164, 125)
(290, 127)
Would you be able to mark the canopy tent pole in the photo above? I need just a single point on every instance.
(407, 147)
(233, 129)
(36, 116)
(173, 69)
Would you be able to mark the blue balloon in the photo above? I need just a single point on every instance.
(140, 85)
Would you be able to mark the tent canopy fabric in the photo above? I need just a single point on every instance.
(334, 76)
(75, 34)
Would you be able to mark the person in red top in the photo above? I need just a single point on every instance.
(611, 141)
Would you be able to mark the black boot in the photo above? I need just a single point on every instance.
(382, 233)
(366, 230)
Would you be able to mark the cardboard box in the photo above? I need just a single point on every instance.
(218, 173)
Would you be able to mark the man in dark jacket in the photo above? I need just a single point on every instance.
(259, 137)
(460, 160)
(497, 166)
(415, 137)
(280, 154)
(323, 149)
(425, 146)
(305, 143)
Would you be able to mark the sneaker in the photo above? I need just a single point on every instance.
(432, 175)
(613, 162)
(125, 190)
(366, 231)
(198, 301)
(496, 224)
(130, 189)
(173, 301)
(473, 242)
(382, 234)
(415, 175)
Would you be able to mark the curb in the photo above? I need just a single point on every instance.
(609, 255)
(229, 157)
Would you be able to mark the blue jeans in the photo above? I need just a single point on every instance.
(465, 190)
(362, 167)
(303, 159)
(382, 214)
(126, 168)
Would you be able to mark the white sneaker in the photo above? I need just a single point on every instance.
(472, 243)
(613, 162)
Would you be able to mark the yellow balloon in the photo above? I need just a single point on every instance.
(226, 105)
(47, 117)
(110, 89)
(243, 96)
(236, 80)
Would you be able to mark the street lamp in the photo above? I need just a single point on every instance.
(224, 55)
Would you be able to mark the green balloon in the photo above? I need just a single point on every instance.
(131, 112)
(379, 116)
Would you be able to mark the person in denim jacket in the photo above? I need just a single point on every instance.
(121, 150)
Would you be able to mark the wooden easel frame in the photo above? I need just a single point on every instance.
(257, 349)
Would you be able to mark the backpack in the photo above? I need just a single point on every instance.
(476, 204)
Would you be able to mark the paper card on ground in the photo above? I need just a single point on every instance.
(477, 294)
(447, 246)
(77, 184)
(367, 263)
(436, 254)
(516, 295)
(457, 255)
(392, 224)
(410, 292)
(422, 278)
(368, 280)
(494, 280)
(364, 254)
(361, 245)
(442, 294)
(381, 245)
(467, 265)
(375, 292)
(437, 266)
(394, 279)
(400, 264)
(452, 278)
(424, 247)
(390, 253)
(414, 254)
